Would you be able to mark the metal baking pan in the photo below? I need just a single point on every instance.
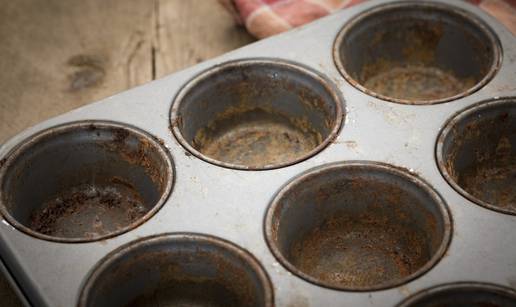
(366, 159)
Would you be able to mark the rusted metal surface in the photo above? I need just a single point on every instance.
(476, 153)
(178, 270)
(256, 137)
(89, 211)
(360, 251)
(463, 294)
(100, 179)
(257, 114)
(139, 156)
(416, 82)
(358, 226)
(263, 157)
(417, 53)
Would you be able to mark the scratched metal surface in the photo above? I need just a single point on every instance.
(231, 204)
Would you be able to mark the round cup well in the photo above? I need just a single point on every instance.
(178, 270)
(358, 226)
(476, 153)
(463, 294)
(84, 181)
(417, 52)
(256, 114)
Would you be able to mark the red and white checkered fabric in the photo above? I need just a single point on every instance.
(264, 18)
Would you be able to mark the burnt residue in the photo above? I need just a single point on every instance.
(136, 150)
(361, 251)
(86, 181)
(416, 53)
(256, 114)
(120, 135)
(357, 226)
(198, 272)
(256, 137)
(463, 294)
(493, 181)
(141, 155)
(479, 154)
(415, 75)
(225, 283)
(89, 210)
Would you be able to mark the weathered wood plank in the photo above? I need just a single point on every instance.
(56, 55)
(189, 32)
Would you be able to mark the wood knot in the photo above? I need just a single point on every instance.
(88, 72)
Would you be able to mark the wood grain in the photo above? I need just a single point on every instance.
(57, 55)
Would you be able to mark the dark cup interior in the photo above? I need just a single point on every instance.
(477, 154)
(463, 295)
(256, 114)
(357, 226)
(417, 53)
(84, 181)
(178, 270)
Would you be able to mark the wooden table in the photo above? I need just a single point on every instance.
(57, 55)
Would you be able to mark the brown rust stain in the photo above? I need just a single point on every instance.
(493, 182)
(351, 144)
(490, 174)
(96, 203)
(255, 128)
(223, 284)
(360, 252)
(298, 301)
(89, 210)
(256, 136)
(104, 205)
(89, 72)
(417, 82)
(140, 156)
(416, 76)
(389, 237)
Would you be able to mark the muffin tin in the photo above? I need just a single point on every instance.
(366, 159)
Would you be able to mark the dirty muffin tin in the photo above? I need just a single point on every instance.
(85, 181)
(358, 226)
(421, 53)
(476, 154)
(463, 294)
(178, 270)
(283, 174)
(266, 114)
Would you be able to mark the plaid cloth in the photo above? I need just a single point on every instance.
(264, 18)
